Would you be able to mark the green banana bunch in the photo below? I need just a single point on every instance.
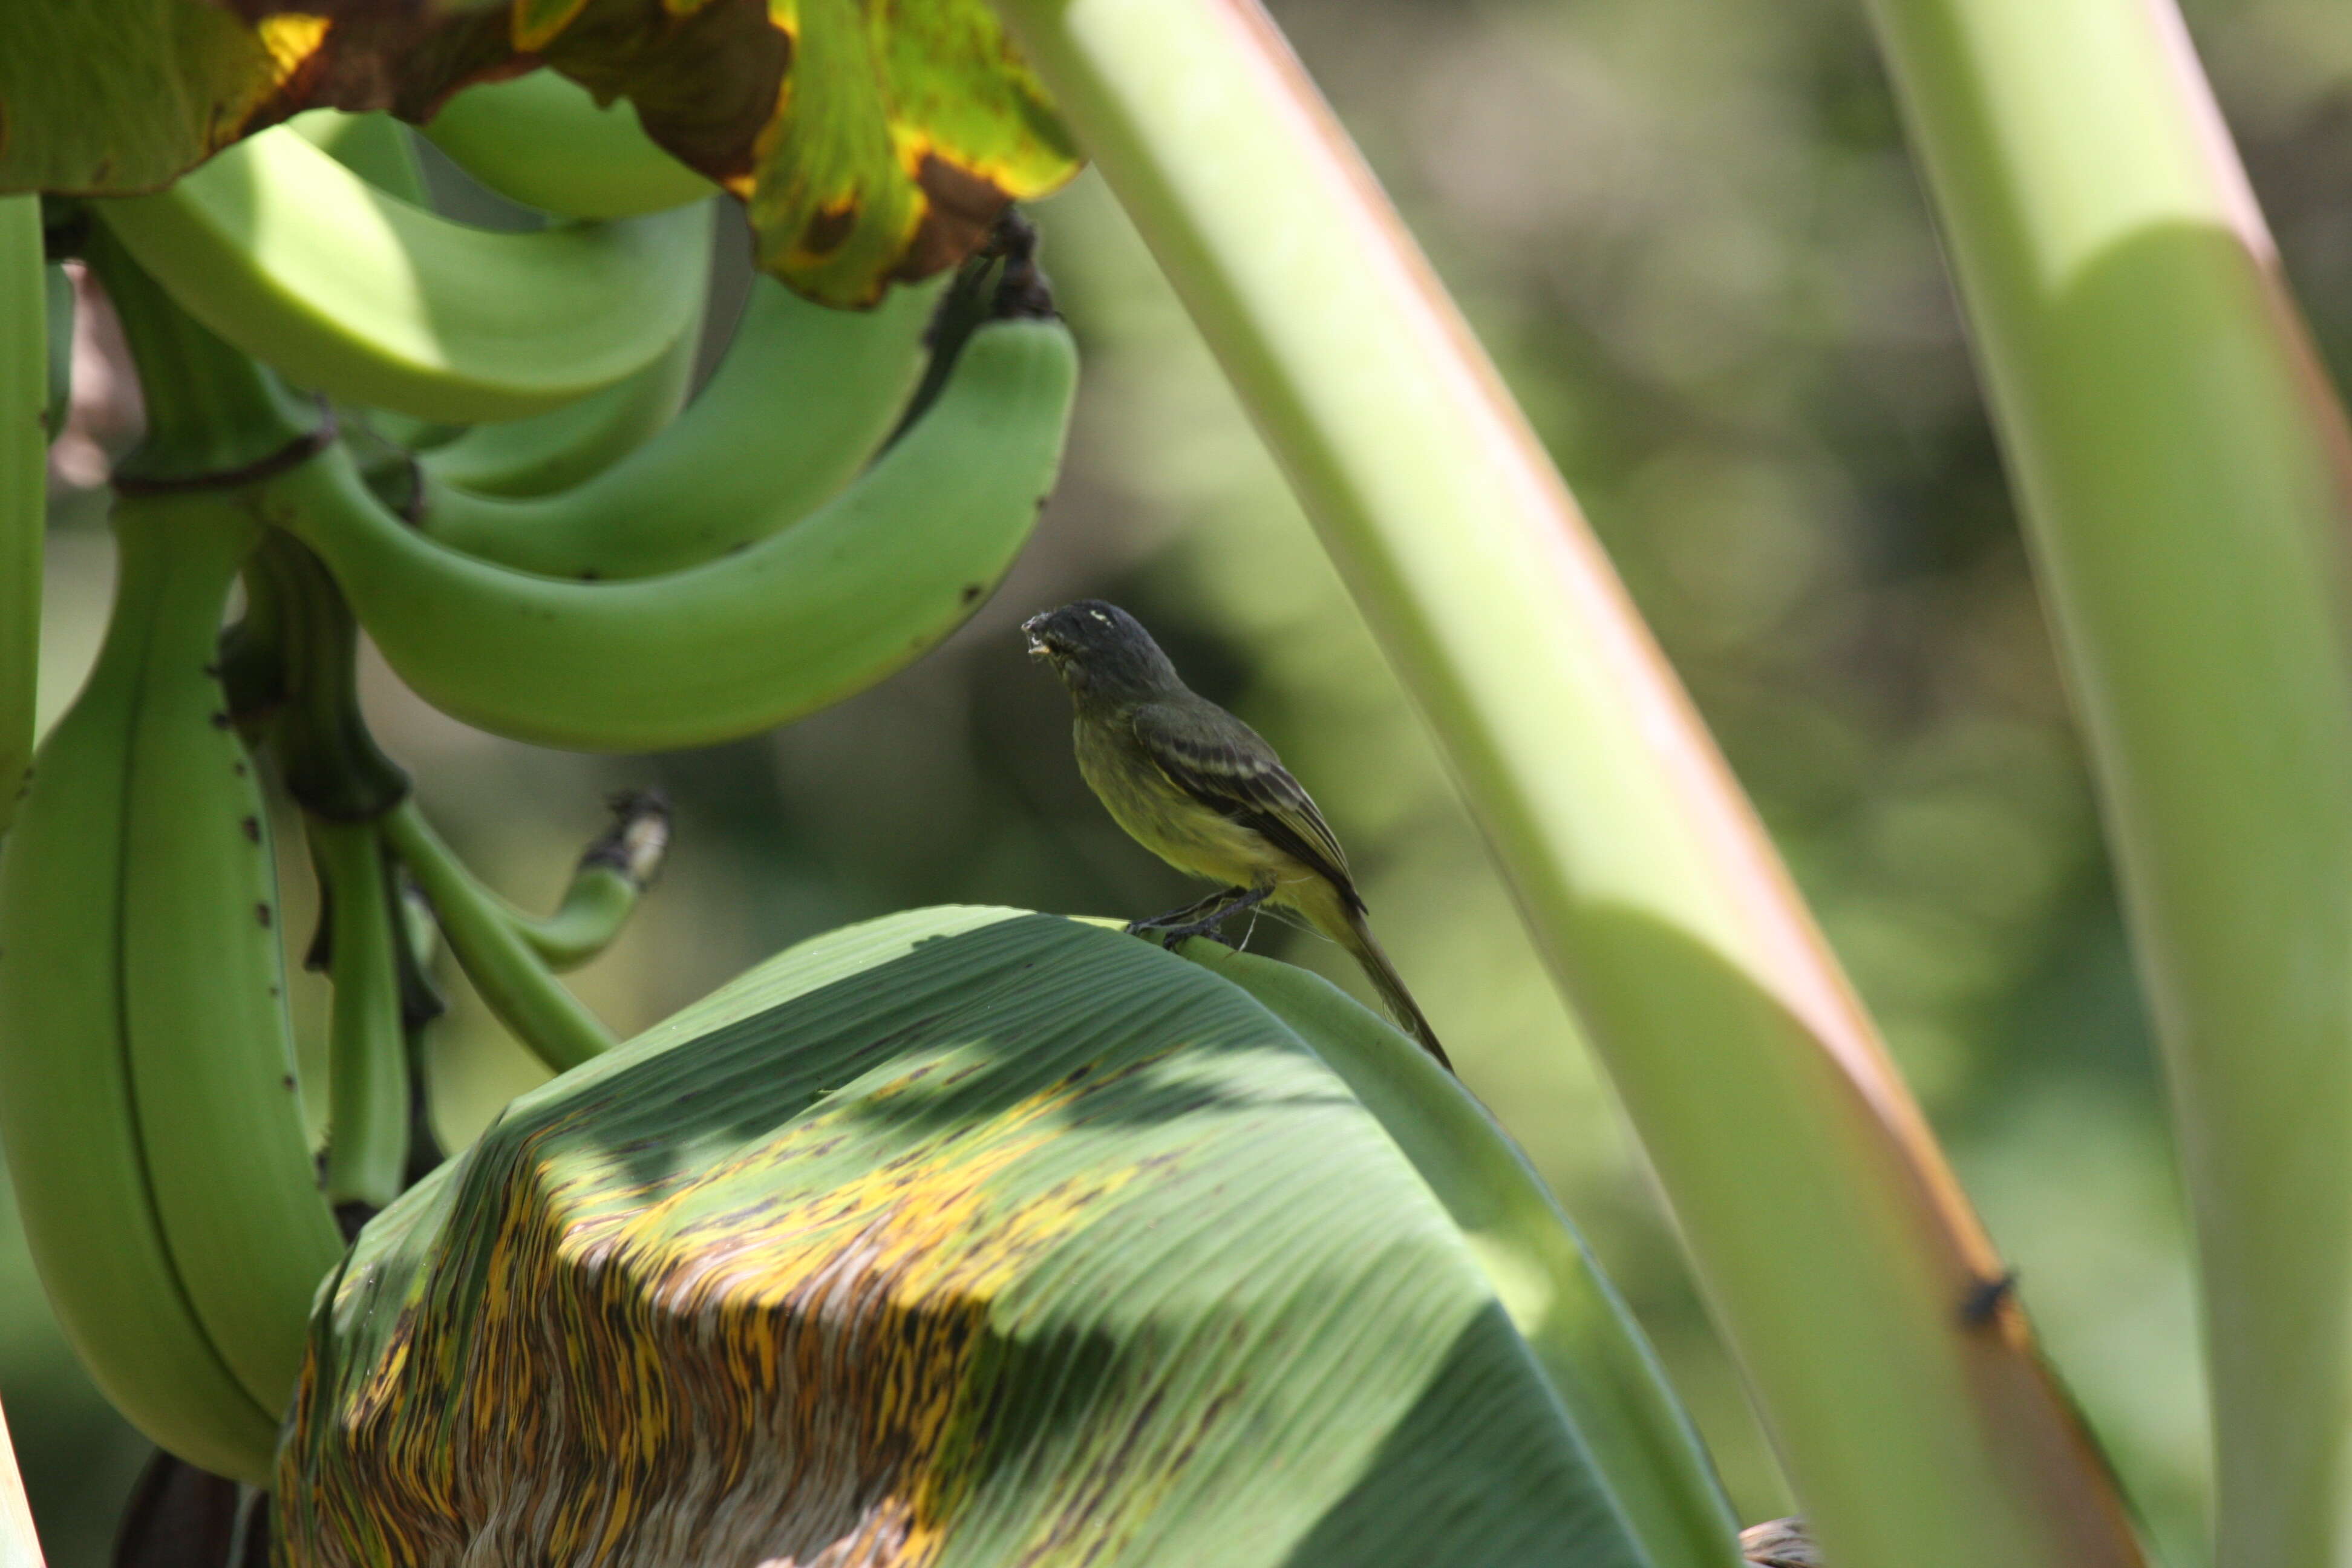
(566, 446)
(839, 599)
(542, 140)
(545, 452)
(349, 290)
(147, 1093)
(801, 399)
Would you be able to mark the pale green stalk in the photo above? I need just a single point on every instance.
(512, 979)
(1832, 1243)
(24, 478)
(2181, 461)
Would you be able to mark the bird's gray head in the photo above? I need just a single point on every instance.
(1100, 651)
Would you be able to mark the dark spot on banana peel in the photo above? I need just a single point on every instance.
(252, 825)
(220, 720)
(592, 576)
(289, 1081)
(239, 768)
(261, 913)
(970, 591)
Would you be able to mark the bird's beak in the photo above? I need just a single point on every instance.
(1038, 646)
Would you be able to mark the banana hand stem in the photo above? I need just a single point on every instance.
(368, 1094)
(612, 874)
(512, 979)
(334, 766)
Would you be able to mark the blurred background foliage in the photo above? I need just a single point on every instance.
(1689, 232)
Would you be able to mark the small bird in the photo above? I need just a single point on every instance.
(1203, 791)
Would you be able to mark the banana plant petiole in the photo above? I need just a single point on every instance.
(2185, 472)
(1832, 1242)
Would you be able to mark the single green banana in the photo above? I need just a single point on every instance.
(25, 399)
(202, 981)
(85, 1106)
(803, 398)
(612, 875)
(351, 291)
(376, 147)
(853, 592)
(565, 446)
(512, 979)
(367, 1054)
(542, 140)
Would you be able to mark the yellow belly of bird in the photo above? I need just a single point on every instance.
(1178, 829)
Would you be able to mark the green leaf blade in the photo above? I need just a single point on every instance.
(967, 1237)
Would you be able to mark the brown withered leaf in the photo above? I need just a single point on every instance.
(870, 140)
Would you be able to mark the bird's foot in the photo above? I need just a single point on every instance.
(1224, 907)
(1190, 914)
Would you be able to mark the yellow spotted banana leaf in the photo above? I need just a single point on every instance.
(971, 1237)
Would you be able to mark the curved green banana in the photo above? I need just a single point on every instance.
(542, 140)
(850, 594)
(376, 147)
(367, 1099)
(353, 292)
(24, 419)
(565, 446)
(79, 1090)
(202, 981)
(612, 875)
(800, 403)
(512, 981)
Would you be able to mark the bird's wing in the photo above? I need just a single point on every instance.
(1222, 763)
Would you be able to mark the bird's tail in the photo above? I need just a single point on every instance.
(1342, 920)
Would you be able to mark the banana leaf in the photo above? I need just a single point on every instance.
(967, 1237)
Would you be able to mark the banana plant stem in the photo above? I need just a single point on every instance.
(1833, 1244)
(24, 457)
(2181, 464)
(512, 979)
